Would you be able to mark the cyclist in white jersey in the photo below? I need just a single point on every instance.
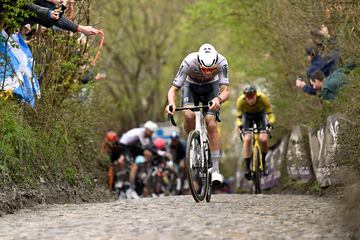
(133, 142)
(203, 77)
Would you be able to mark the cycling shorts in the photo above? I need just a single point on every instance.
(193, 94)
(129, 151)
(248, 120)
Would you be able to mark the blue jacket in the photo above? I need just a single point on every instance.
(327, 65)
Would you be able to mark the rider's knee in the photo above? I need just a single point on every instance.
(212, 125)
(189, 116)
(247, 139)
(263, 139)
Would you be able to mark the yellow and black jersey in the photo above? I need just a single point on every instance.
(262, 103)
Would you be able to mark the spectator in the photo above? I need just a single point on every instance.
(329, 86)
(326, 64)
(48, 14)
(27, 33)
(70, 11)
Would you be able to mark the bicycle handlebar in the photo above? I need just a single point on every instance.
(268, 129)
(192, 108)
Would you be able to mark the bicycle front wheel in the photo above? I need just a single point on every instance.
(207, 155)
(256, 170)
(197, 167)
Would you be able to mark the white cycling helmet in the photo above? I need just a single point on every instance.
(151, 126)
(207, 55)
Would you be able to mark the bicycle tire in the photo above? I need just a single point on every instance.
(257, 174)
(197, 171)
(207, 154)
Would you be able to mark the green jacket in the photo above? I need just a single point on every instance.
(332, 84)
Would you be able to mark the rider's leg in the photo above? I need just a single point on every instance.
(120, 163)
(215, 145)
(133, 172)
(247, 138)
(264, 145)
(189, 123)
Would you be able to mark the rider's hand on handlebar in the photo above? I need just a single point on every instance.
(240, 128)
(170, 109)
(215, 104)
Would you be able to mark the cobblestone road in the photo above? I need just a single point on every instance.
(226, 217)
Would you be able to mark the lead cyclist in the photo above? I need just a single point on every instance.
(203, 77)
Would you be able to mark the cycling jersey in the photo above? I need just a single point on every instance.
(189, 70)
(262, 105)
(135, 137)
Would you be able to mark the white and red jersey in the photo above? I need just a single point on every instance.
(189, 70)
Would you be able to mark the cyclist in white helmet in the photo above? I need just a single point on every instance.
(133, 143)
(203, 77)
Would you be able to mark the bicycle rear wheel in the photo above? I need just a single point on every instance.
(197, 168)
(257, 174)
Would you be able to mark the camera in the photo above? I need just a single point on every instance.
(61, 9)
(299, 77)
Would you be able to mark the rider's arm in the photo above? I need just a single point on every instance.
(222, 97)
(224, 93)
(269, 112)
(172, 95)
(182, 74)
(223, 73)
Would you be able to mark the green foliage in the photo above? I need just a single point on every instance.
(143, 39)
(58, 141)
(12, 14)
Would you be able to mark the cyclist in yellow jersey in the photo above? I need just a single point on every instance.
(253, 106)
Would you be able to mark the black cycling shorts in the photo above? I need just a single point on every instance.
(129, 151)
(193, 94)
(248, 120)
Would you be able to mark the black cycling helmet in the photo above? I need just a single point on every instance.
(249, 90)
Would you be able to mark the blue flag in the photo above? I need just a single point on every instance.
(19, 76)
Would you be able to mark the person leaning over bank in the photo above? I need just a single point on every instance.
(328, 87)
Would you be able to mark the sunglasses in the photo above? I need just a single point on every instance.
(250, 96)
(208, 69)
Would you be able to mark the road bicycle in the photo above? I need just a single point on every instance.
(256, 165)
(158, 177)
(198, 154)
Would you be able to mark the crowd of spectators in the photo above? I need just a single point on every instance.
(325, 73)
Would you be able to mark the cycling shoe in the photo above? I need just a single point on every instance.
(216, 178)
(248, 176)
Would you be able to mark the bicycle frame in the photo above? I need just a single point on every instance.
(200, 126)
(256, 145)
